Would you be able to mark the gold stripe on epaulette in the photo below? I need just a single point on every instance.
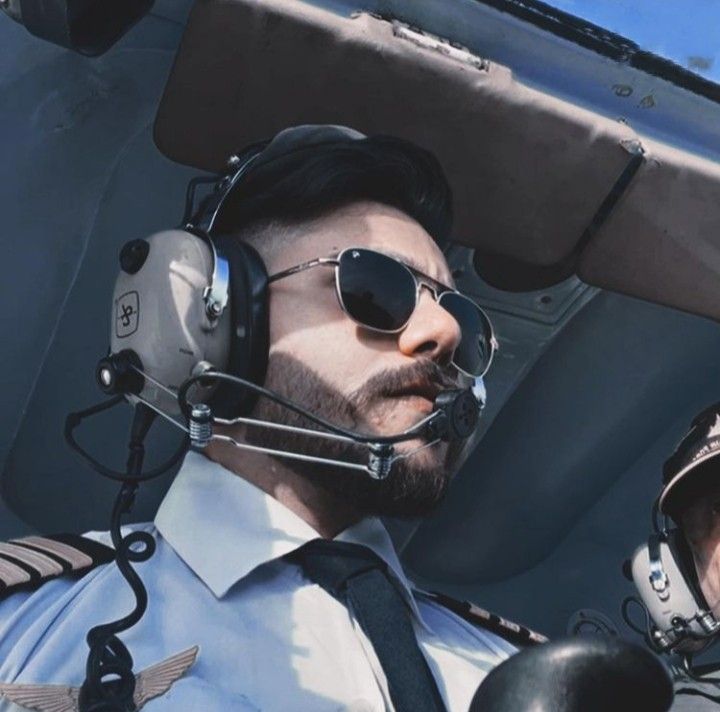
(11, 574)
(480, 612)
(29, 562)
(514, 632)
(44, 565)
(505, 623)
(75, 558)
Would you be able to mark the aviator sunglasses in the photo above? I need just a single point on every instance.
(381, 293)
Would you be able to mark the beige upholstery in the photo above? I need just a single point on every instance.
(528, 170)
(662, 243)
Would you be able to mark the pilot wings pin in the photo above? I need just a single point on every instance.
(149, 683)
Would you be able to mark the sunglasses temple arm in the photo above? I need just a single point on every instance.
(301, 268)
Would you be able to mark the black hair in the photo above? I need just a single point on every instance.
(312, 181)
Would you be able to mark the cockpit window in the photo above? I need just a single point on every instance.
(686, 32)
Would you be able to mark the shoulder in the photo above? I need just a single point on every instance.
(695, 696)
(514, 633)
(28, 563)
(53, 589)
(702, 693)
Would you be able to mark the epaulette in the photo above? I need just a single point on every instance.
(27, 563)
(512, 632)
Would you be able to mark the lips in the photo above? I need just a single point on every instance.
(425, 390)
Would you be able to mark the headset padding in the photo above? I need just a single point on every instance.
(249, 330)
(682, 553)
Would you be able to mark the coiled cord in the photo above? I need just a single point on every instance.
(109, 684)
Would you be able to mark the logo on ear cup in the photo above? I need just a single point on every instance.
(127, 314)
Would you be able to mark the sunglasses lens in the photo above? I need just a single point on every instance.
(475, 349)
(376, 291)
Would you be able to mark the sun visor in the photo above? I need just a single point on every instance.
(528, 170)
(662, 243)
(542, 188)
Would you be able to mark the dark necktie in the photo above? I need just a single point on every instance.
(358, 578)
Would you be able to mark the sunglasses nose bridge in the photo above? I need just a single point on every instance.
(420, 283)
(436, 294)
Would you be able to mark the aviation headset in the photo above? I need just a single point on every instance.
(165, 341)
(228, 329)
(679, 618)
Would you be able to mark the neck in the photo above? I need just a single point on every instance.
(322, 510)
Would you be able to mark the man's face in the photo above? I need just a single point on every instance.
(368, 381)
(700, 523)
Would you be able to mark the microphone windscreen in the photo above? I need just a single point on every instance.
(580, 674)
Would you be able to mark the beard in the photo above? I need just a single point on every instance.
(415, 485)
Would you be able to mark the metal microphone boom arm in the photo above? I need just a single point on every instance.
(455, 416)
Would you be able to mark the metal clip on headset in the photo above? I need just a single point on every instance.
(454, 417)
(380, 459)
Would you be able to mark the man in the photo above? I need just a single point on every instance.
(691, 496)
(232, 572)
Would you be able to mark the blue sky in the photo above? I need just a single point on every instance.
(685, 31)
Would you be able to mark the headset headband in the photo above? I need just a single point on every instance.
(204, 220)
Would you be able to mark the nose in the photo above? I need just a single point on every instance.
(432, 332)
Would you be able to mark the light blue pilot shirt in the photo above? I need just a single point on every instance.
(269, 638)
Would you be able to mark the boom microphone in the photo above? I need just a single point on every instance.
(454, 417)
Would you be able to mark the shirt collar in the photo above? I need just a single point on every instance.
(223, 527)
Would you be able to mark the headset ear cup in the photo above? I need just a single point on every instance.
(249, 332)
(258, 338)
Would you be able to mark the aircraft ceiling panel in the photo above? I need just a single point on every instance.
(76, 143)
(600, 395)
(176, 10)
(583, 573)
(543, 187)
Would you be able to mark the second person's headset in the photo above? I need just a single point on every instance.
(679, 619)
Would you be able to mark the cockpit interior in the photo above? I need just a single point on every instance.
(585, 169)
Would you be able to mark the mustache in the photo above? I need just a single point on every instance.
(392, 381)
(414, 489)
